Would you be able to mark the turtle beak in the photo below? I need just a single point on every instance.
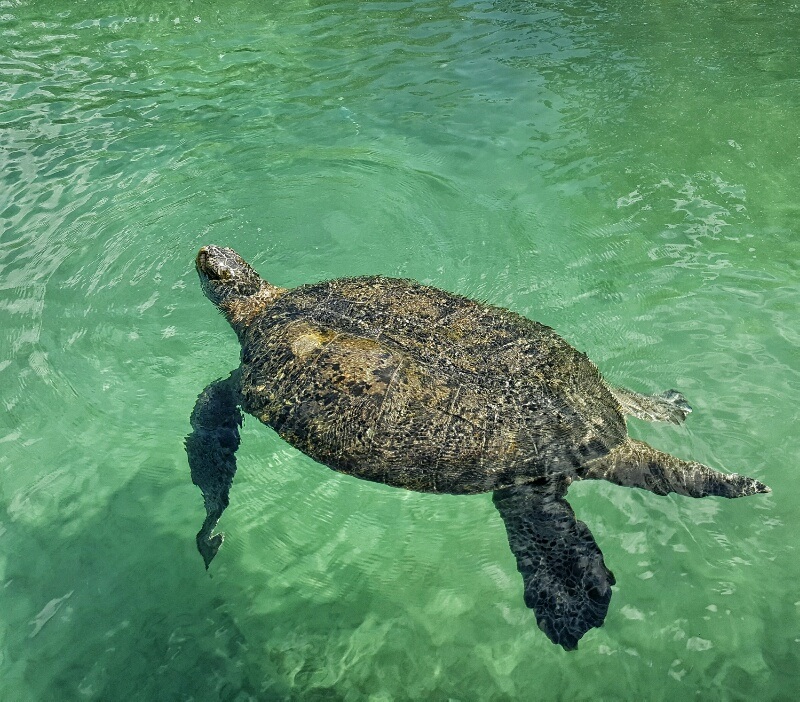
(202, 259)
(212, 263)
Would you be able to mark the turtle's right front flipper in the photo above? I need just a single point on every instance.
(211, 447)
(566, 582)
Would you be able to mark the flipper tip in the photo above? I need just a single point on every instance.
(678, 399)
(748, 486)
(208, 546)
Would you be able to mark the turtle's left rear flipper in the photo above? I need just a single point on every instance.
(637, 464)
(211, 447)
(566, 581)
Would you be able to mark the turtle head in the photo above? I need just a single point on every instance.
(225, 275)
(233, 285)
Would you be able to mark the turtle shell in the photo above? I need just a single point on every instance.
(415, 387)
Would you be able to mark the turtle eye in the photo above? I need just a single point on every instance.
(218, 273)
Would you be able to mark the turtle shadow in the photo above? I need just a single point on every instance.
(120, 607)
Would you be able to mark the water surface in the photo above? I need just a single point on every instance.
(624, 172)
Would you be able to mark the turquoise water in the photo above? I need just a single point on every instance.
(625, 172)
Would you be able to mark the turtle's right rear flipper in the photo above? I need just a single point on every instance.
(637, 464)
(211, 448)
(670, 406)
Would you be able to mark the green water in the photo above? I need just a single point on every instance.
(625, 172)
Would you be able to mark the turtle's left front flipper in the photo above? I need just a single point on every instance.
(566, 582)
(211, 447)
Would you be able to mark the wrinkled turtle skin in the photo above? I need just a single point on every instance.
(407, 385)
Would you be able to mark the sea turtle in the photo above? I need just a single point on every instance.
(404, 384)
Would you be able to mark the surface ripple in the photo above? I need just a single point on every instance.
(624, 174)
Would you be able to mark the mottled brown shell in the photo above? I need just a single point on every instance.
(407, 385)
